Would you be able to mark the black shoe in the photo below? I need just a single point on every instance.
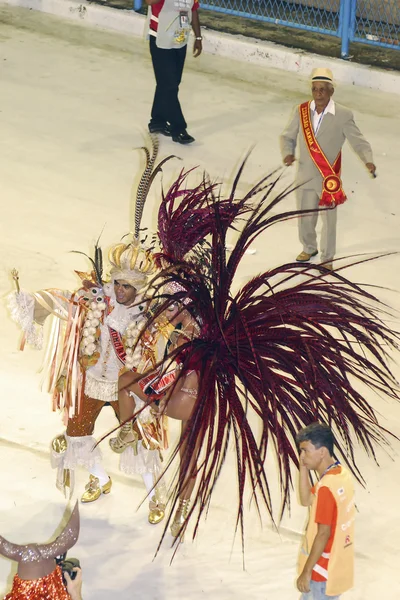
(183, 138)
(163, 129)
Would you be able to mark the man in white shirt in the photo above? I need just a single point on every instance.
(170, 22)
(103, 322)
(323, 126)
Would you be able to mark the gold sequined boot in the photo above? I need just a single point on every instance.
(93, 490)
(180, 517)
(120, 443)
(156, 510)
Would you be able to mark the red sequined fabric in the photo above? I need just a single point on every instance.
(50, 587)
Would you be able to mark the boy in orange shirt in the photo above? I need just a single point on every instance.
(326, 562)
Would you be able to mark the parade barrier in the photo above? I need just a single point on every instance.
(235, 47)
(373, 22)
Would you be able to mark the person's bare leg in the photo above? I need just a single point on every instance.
(189, 481)
(126, 405)
(178, 406)
(187, 484)
(128, 433)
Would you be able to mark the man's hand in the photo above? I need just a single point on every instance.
(303, 582)
(306, 497)
(74, 586)
(371, 168)
(197, 48)
(289, 160)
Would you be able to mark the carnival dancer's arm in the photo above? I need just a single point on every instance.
(288, 139)
(155, 387)
(30, 311)
(358, 142)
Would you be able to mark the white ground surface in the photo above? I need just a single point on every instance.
(74, 104)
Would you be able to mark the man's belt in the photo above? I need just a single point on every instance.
(332, 192)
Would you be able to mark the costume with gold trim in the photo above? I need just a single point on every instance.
(92, 339)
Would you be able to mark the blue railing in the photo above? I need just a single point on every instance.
(375, 22)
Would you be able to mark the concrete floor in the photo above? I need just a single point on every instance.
(74, 105)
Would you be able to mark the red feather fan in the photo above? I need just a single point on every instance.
(295, 345)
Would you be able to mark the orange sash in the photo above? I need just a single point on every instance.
(332, 192)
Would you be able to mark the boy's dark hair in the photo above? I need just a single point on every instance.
(319, 434)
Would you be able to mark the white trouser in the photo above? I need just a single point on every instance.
(82, 451)
(67, 453)
(307, 200)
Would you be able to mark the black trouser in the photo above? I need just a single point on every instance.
(168, 68)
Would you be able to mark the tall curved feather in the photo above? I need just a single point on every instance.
(147, 178)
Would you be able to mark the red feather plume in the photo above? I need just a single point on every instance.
(295, 345)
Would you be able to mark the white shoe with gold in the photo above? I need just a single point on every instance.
(93, 489)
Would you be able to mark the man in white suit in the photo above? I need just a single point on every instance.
(320, 128)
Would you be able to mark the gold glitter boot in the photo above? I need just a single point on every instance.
(93, 490)
(119, 444)
(157, 507)
(180, 517)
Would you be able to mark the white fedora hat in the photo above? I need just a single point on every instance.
(322, 74)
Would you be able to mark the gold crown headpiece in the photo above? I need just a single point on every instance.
(131, 262)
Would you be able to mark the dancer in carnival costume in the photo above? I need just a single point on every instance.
(186, 217)
(92, 339)
(141, 393)
(39, 577)
(295, 345)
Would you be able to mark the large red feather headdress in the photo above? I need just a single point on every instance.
(294, 345)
